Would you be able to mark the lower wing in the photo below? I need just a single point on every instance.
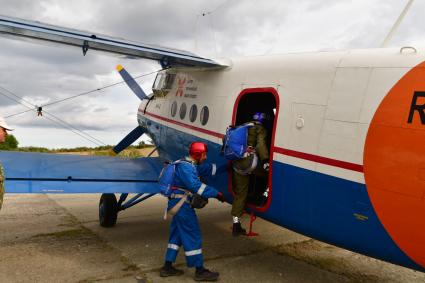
(60, 173)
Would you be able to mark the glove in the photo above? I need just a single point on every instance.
(198, 202)
(220, 197)
(266, 166)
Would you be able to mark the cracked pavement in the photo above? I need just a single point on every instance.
(57, 238)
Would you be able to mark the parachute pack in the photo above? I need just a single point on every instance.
(166, 178)
(235, 141)
(166, 184)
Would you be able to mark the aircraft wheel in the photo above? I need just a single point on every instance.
(108, 210)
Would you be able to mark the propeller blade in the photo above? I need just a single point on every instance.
(133, 85)
(129, 139)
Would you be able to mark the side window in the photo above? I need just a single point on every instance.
(159, 81)
(174, 109)
(193, 113)
(163, 84)
(183, 111)
(205, 114)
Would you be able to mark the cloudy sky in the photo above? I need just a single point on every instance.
(42, 74)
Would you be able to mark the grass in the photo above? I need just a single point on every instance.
(130, 152)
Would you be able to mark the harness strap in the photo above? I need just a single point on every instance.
(179, 196)
(181, 189)
(183, 197)
(173, 211)
(249, 170)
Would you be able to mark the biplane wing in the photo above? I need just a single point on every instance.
(167, 57)
(61, 173)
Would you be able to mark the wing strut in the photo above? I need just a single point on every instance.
(397, 23)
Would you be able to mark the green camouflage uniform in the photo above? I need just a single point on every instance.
(1, 185)
(257, 138)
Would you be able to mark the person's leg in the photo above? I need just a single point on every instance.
(173, 247)
(240, 186)
(261, 190)
(188, 227)
(192, 243)
(174, 242)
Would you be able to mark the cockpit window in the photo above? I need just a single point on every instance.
(157, 84)
(163, 84)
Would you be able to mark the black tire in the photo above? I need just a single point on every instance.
(108, 210)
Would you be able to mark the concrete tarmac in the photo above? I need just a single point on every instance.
(57, 238)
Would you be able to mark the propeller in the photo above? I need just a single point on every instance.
(129, 139)
(132, 84)
(138, 131)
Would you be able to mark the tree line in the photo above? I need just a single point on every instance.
(11, 143)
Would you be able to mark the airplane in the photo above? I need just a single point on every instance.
(345, 137)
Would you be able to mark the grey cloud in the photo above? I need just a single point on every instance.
(101, 109)
(23, 8)
(42, 73)
(152, 22)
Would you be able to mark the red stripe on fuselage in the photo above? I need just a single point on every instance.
(280, 150)
(320, 159)
(211, 133)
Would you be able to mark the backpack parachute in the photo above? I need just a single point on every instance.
(235, 141)
(166, 178)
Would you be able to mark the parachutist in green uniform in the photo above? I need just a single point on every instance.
(257, 159)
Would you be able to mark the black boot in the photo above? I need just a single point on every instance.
(167, 271)
(206, 275)
(238, 230)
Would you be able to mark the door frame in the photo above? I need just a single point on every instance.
(274, 92)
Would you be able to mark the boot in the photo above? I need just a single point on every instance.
(238, 230)
(206, 275)
(167, 271)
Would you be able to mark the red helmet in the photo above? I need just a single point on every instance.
(196, 149)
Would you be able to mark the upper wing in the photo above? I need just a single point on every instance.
(61, 173)
(86, 40)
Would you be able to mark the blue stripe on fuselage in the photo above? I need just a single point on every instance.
(327, 208)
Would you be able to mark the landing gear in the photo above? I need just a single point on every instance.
(109, 206)
(108, 210)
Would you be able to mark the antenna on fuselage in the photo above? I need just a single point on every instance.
(397, 23)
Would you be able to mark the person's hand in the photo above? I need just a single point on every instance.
(220, 197)
(266, 166)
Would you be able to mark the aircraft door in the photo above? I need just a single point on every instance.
(249, 102)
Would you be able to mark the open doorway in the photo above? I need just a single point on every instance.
(249, 102)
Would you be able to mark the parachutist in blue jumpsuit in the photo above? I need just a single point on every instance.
(184, 228)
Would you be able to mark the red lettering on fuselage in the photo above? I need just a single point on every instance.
(180, 86)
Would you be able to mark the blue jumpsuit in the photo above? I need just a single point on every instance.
(184, 228)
